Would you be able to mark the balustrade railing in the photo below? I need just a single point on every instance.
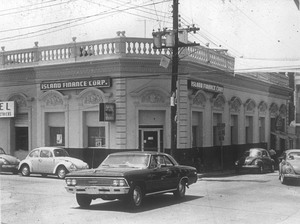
(120, 46)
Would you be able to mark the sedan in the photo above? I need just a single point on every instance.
(50, 160)
(8, 163)
(130, 176)
(289, 167)
(256, 159)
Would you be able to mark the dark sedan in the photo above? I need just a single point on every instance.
(130, 176)
(257, 159)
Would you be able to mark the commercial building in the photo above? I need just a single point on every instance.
(115, 94)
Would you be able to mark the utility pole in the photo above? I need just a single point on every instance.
(174, 81)
(172, 41)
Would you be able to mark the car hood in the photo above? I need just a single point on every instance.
(77, 162)
(296, 165)
(249, 160)
(103, 172)
(10, 159)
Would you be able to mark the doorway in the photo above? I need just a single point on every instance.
(21, 138)
(151, 138)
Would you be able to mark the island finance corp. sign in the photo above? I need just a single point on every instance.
(76, 83)
(205, 86)
(7, 109)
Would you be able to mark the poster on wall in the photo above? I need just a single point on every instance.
(59, 139)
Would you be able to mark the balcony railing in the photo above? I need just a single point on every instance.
(120, 46)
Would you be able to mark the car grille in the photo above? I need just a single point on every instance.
(94, 181)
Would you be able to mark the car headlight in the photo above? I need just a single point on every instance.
(71, 182)
(119, 183)
(289, 168)
(4, 161)
(73, 167)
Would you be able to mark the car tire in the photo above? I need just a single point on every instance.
(261, 169)
(25, 171)
(61, 172)
(135, 197)
(83, 201)
(180, 191)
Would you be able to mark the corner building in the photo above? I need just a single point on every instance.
(55, 93)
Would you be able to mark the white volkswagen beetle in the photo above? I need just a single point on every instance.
(50, 160)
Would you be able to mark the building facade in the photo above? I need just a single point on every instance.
(113, 94)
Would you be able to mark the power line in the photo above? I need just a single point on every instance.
(115, 10)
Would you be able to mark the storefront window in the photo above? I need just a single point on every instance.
(96, 137)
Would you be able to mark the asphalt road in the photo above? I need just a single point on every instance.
(239, 199)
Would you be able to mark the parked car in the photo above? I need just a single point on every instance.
(289, 167)
(130, 176)
(50, 160)
(257, 159)
(8, 163)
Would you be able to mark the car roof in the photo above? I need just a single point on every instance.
(292, 150)
(138, 153)
(261, 149)
(47, 147)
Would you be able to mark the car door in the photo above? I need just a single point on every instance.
(266, 159)
(34, 157)
(170, 173)
(46, 161)
(154, 176)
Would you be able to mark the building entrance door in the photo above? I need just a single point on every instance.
(151, 139)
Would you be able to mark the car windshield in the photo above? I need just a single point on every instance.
(295, 155)
(255, 153)
(2, 151)
(129, 160)
(60, 153)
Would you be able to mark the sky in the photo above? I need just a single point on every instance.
(258, 33)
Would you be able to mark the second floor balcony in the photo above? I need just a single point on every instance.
(118, 47)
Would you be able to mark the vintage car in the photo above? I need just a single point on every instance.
(289, 167)
(50, 160)
(130, 176)
(257, 159)
(8, 163)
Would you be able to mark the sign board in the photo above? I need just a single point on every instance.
(76, 83)
(107, 112)
(7, 109)
(205, 86)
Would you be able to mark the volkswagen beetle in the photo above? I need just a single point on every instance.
(289, 167)
(8, 163)
(50, 160)
(257, 159)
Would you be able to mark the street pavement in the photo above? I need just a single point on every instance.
(217, 198)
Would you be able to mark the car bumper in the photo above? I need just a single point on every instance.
(8, 167)
(98, 190)
(249, 167)
(292, 176)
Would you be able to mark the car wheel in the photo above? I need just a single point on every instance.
(136, 197)
(61, 172)
(25, 171)
(180, 191)
(84, 201)
(282, 179)
(261, 169)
